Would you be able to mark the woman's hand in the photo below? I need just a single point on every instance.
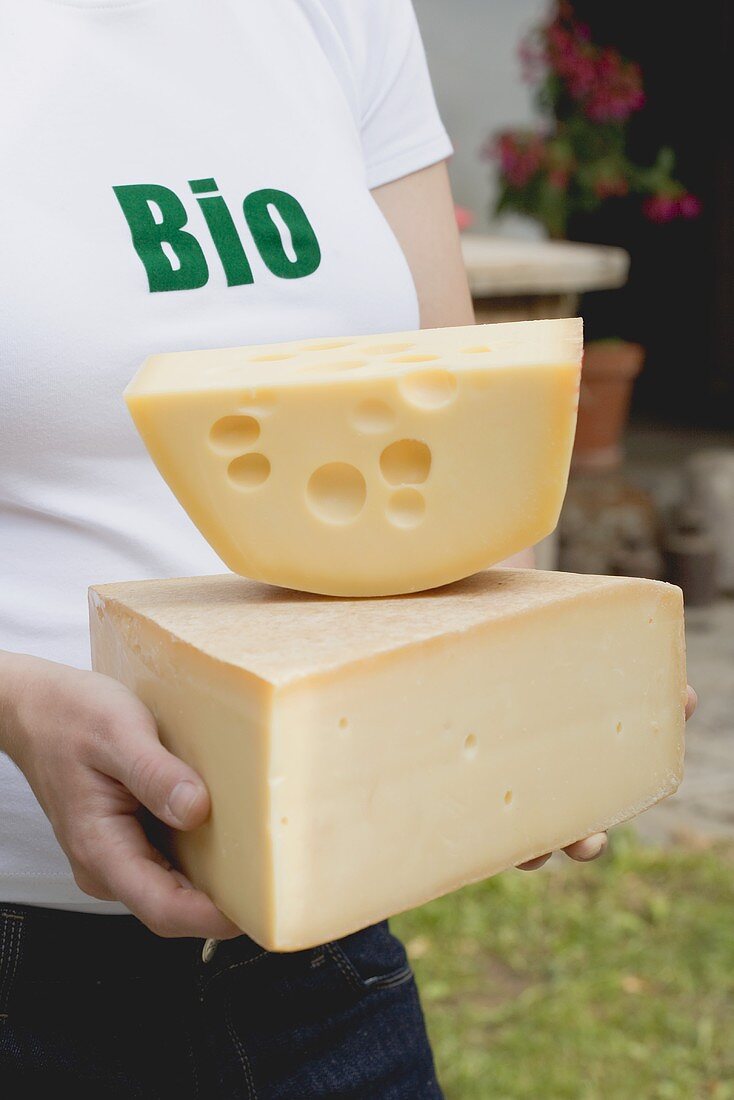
(90, 752)
(592, 846)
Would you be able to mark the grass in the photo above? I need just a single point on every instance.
(611, 981)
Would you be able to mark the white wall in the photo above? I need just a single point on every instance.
(472, 52)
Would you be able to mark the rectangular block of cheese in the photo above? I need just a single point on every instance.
(372, 465)
(366, 756)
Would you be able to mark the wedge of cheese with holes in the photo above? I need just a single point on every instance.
(364, 756)
(368, 466)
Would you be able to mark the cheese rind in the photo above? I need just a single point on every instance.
(366, 756)
(372, 465)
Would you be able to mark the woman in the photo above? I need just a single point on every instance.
(134, 131)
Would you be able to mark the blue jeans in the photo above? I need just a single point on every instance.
(101, 1006)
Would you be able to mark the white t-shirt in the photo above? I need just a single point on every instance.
(176, 174)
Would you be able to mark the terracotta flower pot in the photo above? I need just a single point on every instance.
(609, 370)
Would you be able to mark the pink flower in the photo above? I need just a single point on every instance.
(661, 208)
(464, 217)
(572, 60)
(617, 90)
(520, 156)
(690, 206)
(608, 88)
(580, 76)
(614, 104)
(560, 40)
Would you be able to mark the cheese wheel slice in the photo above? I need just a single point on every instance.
(368, 466)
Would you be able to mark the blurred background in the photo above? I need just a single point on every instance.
(593, 174)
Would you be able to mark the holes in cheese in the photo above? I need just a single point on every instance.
(249, 471)
(373, 415)
(406, 462)
(263, 405)
(386, 349)
(429, 389)
(336, 492)
(415, 359)
(234, 433)
(325, 345)
(406, 508)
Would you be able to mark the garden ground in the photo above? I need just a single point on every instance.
(601, 982)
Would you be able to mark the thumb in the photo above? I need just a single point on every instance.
(165, 785)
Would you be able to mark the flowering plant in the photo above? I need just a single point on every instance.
(579, 159)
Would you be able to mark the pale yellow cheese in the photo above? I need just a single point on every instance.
(364, 756)
(373, 465)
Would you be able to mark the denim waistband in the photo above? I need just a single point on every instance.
(54, 944)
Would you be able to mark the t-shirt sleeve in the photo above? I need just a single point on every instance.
(400, 127)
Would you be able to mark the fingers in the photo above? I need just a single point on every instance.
(691, 702)
(165, 785)
(534, 864)
(126, 867)
(170, 789)
(591, 847)
(583, 851)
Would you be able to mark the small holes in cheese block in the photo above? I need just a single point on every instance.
(234, 433)
(406, 508)
(407, 462)
(327, 345)
(372, 416)
(249, 471)
(415, 359)
(386, 349)
(257, 403)
(429, 389)
(336, 492)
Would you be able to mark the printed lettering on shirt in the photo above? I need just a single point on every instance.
(173, 257)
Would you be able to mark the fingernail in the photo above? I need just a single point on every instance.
(592, 847)
(181, 799)
(535, 864)
(691, 701)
